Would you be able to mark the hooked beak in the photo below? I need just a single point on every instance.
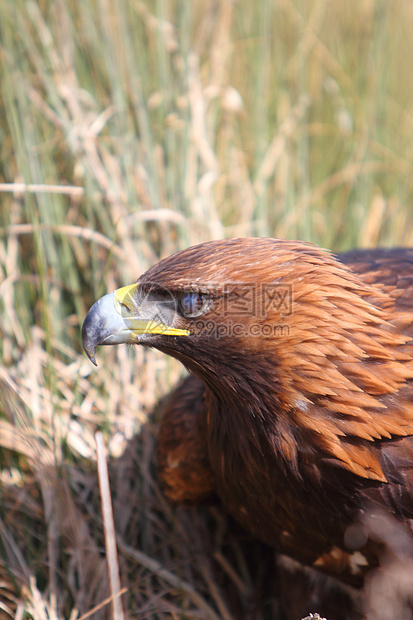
(116, 319)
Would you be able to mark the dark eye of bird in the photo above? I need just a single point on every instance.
(193, 304)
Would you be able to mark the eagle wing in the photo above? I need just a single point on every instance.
(182, 448)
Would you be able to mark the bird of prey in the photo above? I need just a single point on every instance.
(298, 410)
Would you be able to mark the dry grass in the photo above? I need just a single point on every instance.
(129, 130)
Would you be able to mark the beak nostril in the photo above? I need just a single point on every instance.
(125, 309)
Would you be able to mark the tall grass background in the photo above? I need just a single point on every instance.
(130, 130)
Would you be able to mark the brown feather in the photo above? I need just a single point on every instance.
(182, 447)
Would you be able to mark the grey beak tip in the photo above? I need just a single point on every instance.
(102, 325)
(92, 359)
(89, 338)
(90, 353)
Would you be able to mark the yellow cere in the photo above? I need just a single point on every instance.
(123, 298)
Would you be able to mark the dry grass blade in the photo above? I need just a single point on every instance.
(19, 188)
(232, 573)
(37, 605)
(157, 568)
(107, 601)
(68, 231)
(109, 527)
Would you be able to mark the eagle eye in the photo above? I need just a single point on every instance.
(193, 304)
